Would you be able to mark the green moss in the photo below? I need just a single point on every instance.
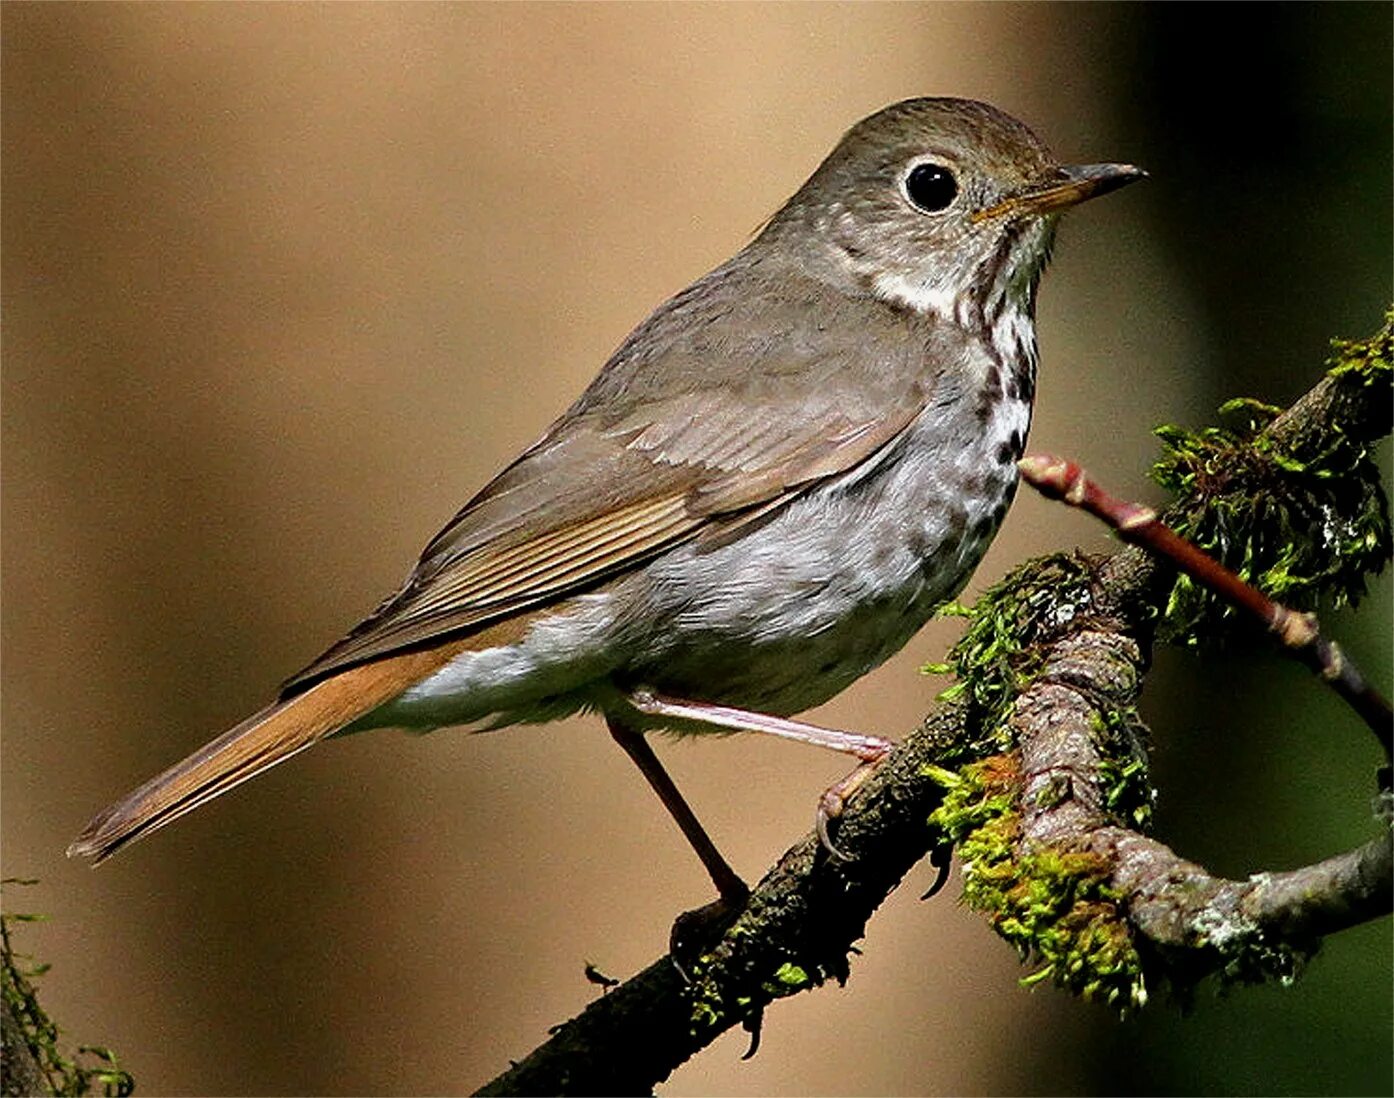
(1054, 906)
(996, 657)
(1129, 794)
(713, 1008)
(1367, 361)
(1297, 524)
(93, 1070)
(1294, 512)
(706, 1014)
(788, 979)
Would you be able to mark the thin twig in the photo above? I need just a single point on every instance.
(1056, 478)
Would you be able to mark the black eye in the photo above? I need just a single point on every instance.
(931, 187)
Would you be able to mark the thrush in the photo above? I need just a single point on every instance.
(766, 491)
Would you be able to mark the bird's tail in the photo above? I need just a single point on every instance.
(260, 742)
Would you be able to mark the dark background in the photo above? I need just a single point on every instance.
(284, 284)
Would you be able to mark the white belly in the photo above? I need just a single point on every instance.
(777, 620)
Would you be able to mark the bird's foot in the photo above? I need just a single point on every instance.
(834, 800)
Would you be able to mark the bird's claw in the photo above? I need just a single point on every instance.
(830, 806)
(834, 800)
(940, 857)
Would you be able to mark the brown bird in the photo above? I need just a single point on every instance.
(766, 492)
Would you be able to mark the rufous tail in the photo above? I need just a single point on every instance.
(260, 742)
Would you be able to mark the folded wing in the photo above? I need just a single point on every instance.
(689, 428)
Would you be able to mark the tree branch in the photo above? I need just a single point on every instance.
(795, 932)
(1035, 769)
(1299, 633)
(1184, 922)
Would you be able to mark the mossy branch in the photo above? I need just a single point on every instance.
(31, 1062)
(1035, 767)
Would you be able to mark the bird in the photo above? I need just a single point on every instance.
(768, 488)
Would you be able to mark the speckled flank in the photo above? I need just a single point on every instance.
(879, 556)
(789, 614)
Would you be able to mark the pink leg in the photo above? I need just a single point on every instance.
(869, 749)
(729, 886)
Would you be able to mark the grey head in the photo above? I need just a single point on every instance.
(936, 205)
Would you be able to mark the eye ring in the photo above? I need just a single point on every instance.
(930, 187)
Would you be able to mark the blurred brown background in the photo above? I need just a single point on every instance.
(284, 284)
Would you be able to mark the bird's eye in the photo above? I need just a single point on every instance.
(931, 187)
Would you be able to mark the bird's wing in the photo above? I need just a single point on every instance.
(663, 447)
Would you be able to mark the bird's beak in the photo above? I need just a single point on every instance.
(1071, 186)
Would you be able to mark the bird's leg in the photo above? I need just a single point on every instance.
(869, 749)
(731, 890)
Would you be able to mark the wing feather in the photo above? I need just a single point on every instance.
(633, 468)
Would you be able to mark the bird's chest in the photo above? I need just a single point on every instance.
(789, 614)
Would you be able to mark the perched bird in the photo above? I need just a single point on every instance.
(766, 491)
